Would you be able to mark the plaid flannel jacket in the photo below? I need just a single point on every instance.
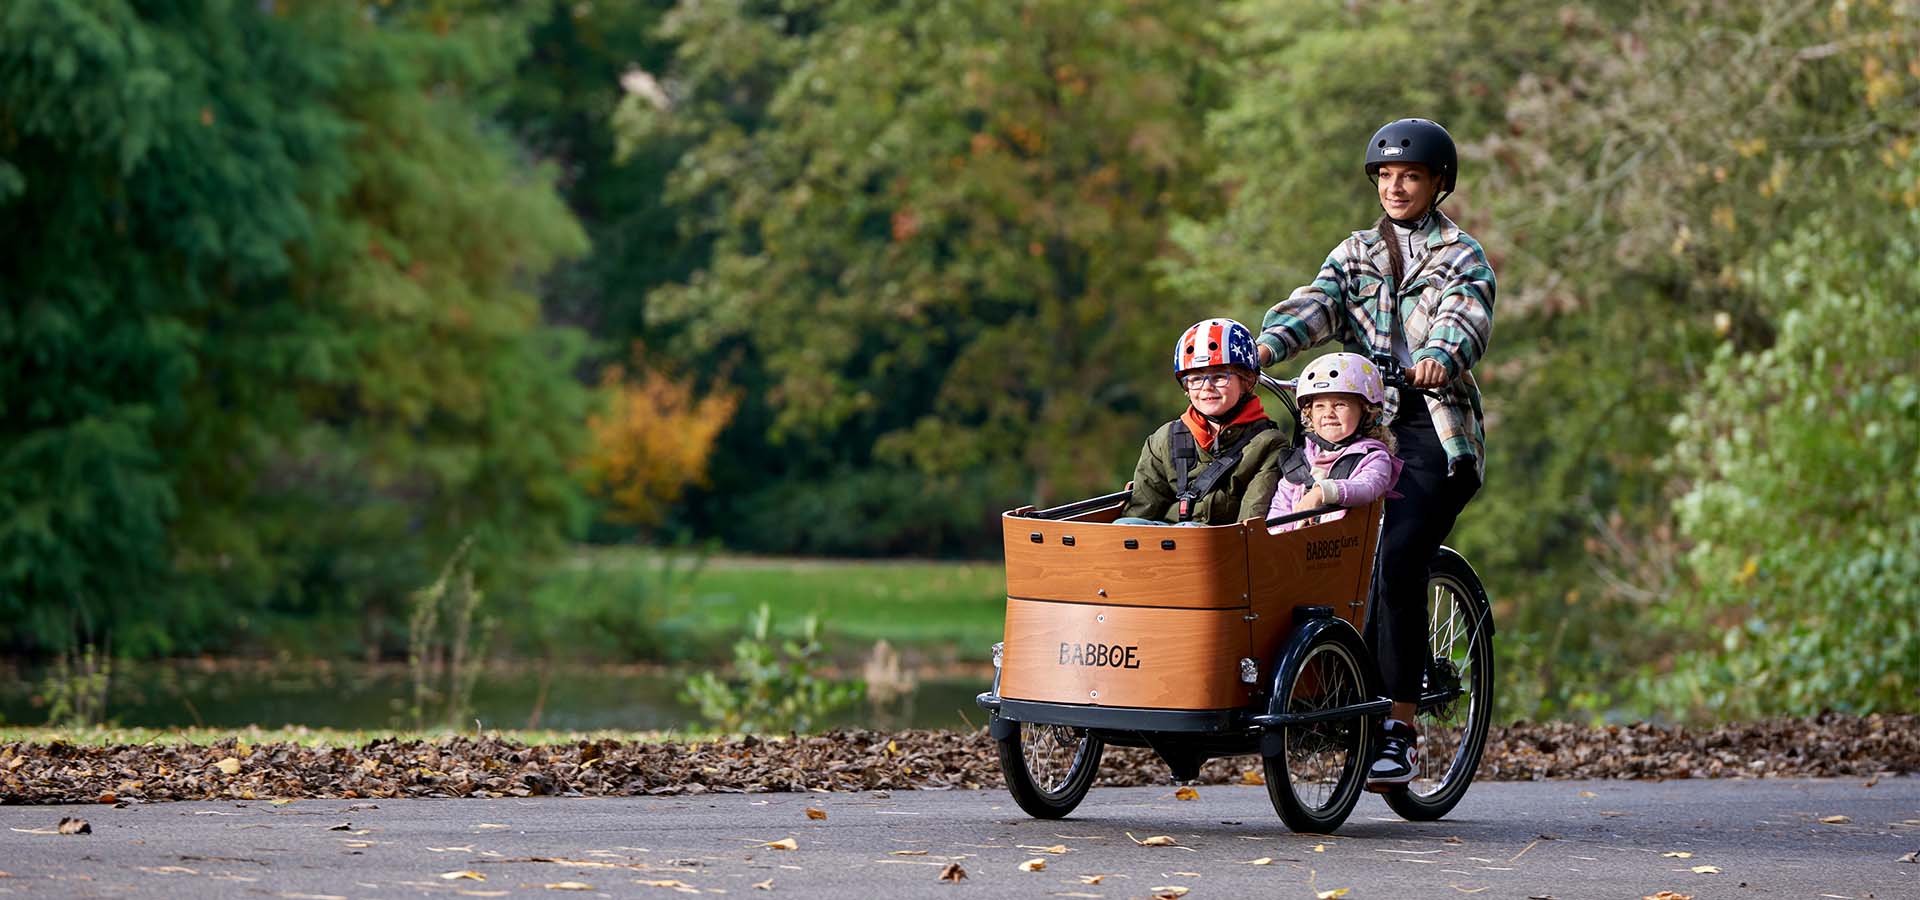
(1446, 313)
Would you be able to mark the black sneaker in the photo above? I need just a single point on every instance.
(1394, 767)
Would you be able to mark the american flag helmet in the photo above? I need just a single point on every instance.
(1215, 342)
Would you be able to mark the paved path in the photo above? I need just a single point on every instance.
(1563, 839)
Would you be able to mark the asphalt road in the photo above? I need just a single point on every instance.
(1562, 839)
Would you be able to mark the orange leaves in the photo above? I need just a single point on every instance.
(651, 440)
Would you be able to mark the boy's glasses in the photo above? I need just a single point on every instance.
(1210, 379)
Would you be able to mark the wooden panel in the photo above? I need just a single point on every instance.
(1206, 569)
(1330, 564)
(1154, 658)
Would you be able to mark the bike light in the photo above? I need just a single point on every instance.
(999, 647)
(1249, 671)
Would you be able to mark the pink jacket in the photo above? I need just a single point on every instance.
(1373, 478)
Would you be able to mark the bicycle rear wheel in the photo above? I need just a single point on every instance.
(1453, 730)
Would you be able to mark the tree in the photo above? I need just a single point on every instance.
(281, 351)
(1802, 500)
(936, 242)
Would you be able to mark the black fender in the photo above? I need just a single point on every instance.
(1002, 728)
(1310, 622)
(1447, 557)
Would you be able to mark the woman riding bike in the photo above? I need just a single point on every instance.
(1416, 289)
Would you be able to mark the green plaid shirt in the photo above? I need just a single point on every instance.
(1446, 312)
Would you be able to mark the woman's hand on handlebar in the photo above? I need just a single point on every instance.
(1265, 353)
(1427, 373)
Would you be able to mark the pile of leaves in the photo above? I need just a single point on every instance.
(1828, 745)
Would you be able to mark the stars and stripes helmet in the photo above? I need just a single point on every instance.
(1215, 342)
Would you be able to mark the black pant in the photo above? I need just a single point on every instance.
(1416, 525)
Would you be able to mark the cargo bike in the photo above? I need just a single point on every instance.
(1220, 641)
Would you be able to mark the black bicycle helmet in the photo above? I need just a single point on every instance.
(1415, 140)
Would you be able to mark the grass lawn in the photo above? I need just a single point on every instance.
(941, 610)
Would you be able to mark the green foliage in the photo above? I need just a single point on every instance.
(932, 226)
(1803, 466)
(603, 605)
(444, 650)
(277, 353)
(774, 690)
(75, 689)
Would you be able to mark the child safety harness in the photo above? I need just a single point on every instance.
(1186, 453)
(1296, 469)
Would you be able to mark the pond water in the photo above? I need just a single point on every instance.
(354, 696)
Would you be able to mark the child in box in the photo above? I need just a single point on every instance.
(1217, 463)
(1348, 456)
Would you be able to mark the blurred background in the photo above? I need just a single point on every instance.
(643, 365)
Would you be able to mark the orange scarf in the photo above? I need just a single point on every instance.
(1204, 432)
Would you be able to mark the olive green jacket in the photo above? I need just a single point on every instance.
(1243, 494)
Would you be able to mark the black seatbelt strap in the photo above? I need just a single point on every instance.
(1296, 469)
(1185, 454)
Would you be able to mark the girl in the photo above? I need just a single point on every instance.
(1348, 458)
(1417, 287)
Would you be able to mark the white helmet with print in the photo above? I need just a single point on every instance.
(1341, 373)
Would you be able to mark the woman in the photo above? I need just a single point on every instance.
(1416, 288)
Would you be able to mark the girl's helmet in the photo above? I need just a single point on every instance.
(1215, 342)
(1340, 373)
(1415, 140)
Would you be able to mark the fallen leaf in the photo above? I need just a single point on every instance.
(1034, 865)
(1588, 795)
(1612, 813)
(1677, 854)
(1466, 890)
(568, 886)
(470, 892)
(662, 882)
(1262, 861)
(1253, 776)
(1319, 848)
(1870, 782)
(1158, 840)
(468, 874)
(816, 813)
(1706, 870)
(908, 853)
(343, 826)
(1188, 874)
(766, 885)
(1092, 879)
(1329, 895)
(1450, 839)
(483, 825)
(782, 844)
(1668, 895)
(282, 801)
(1186, 793)
(1835, 820)
(1913, 857)
(1056, 849)
(74, 826)
(229, 765)
(1075, 894)
(953, 872)
(1170, 890)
